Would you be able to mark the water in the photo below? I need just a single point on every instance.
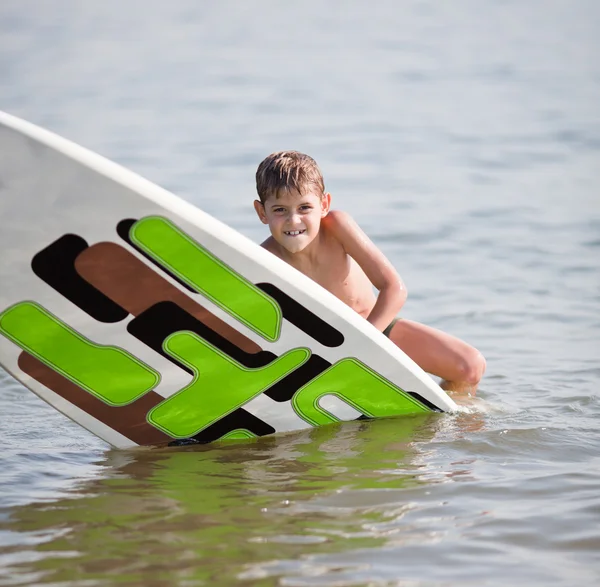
(465, 138)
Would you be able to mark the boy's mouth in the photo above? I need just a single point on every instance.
(294, 232)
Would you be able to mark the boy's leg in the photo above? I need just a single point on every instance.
(459, 365)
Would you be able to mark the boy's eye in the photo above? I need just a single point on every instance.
(306, 207)
(277, 209)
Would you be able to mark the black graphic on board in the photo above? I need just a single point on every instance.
(160, 320)
(303, 318)
(284, 389)
(55, 266)
(239, 418)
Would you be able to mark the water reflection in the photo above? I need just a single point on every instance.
(196, 514)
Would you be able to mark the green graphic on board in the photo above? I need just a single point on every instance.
(178, 252)
(109, 373)
(220, 384)
(356, 384)
(238, 434)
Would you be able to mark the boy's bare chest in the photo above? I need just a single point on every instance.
(331, 268)
(333, 278)
(340, 275)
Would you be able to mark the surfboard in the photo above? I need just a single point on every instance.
(147, 321)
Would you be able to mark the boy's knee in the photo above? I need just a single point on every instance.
(472, 367)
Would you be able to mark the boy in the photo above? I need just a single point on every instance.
(329, 247)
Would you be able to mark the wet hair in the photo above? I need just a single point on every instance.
(288, 171)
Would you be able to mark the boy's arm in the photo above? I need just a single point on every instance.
(381, 273)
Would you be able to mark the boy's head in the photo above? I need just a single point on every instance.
(292, 199)
(288, 171)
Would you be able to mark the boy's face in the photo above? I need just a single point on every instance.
(294, 219)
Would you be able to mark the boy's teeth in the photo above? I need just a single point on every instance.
(293, 232)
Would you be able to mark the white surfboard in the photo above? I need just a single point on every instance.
(146, 320)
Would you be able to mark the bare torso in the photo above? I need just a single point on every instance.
(331, 267)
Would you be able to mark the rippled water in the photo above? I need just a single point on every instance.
(465, 138)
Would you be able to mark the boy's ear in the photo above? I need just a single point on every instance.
(260, 210)
(325, 204)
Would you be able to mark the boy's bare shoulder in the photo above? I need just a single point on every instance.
(342, 226)
(269, 244)
(336, 217)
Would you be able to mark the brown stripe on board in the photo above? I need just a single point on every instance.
(136, 287)
(129, 420)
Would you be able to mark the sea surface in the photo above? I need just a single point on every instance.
(464, 137)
